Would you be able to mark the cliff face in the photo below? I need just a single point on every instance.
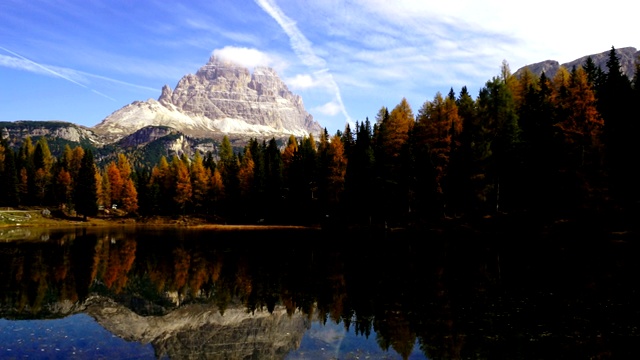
(221, 98)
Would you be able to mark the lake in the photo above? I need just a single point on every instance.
(446, 292)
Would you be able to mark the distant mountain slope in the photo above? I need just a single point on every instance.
(628, 56)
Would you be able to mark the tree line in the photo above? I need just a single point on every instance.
(525, 143)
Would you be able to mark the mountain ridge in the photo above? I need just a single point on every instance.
(627, 57)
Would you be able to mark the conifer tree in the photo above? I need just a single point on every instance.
(274, 167)
(336, 169)
(499, 119)
(85, 196)
(216, 190)
(42, 163)
(440, 125)
(246, 175)
(615, 105)
(8, 176)
(116, 183)
(183, 190)
(200, 180)
(129, 197)
(360, 174)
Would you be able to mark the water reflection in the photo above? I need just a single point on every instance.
(263, 294)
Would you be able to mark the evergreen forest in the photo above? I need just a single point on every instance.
(542, 146)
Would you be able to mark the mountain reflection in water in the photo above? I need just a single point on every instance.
(306, 294)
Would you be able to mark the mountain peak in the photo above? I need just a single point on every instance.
(222, 97)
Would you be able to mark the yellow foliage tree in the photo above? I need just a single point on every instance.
(129, 198)
(183, 189)
(438, 124)
(199, 181)
(246, 173)
(116, 181)
(336, 168)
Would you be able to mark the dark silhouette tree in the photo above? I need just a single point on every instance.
(499, 119)
(8, 176)
(85, 195)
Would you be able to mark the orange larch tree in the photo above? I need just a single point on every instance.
(116, 182)
(183, 190)
(200, 181)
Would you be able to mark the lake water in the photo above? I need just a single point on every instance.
(438, 293)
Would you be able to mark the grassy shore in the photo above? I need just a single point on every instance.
(42, 217)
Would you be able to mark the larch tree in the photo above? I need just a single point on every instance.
(183, 190)
(43, 163)
(116, 182)
(392, 157)
(128, 191)
(129, 199)
(216, 190)
(64, 186)
(401, 121)
(581, 131)
(440, 125)
(26, 171)
(336, 169)
(246, 174)
(124, 166)
(582, 128)
(104, 195)
(76, 161)
(161, 187)
(200, 181)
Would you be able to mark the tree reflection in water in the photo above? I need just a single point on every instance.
(456, 293)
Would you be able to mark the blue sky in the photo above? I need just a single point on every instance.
(81, 60)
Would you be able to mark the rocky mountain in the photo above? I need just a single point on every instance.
(200, 331)
(221, 98)
(57, 133)
(627, 56)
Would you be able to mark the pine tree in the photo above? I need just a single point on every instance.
(85, 196)
(8, 176)
(615, 104)
(499, 119)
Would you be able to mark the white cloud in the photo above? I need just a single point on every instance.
(301, 82)
(331, 108)
(246, 57)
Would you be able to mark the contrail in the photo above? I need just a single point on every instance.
(55, 73)
(302, 47)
